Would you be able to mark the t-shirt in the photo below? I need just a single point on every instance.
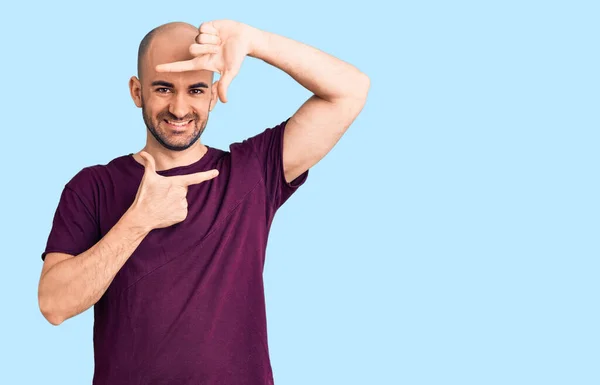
(188, 306)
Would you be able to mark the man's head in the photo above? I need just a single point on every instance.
(175, 105)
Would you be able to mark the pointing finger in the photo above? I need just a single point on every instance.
(205, 62)
(178, 66)
(198, 177)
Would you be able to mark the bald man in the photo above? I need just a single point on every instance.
(168, 244)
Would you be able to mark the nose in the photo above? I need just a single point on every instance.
(178, 106)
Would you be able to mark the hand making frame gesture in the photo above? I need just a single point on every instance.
(221, 46)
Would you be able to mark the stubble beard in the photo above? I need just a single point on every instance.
(163, 137)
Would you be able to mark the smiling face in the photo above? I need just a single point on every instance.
(175, 106)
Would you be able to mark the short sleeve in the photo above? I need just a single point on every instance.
(74, 227)
(268, 148)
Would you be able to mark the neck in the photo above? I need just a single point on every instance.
(166, 159)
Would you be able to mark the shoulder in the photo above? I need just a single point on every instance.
(268, 138)
(88, 178)
(83, 178)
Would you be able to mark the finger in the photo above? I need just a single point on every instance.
(223, 85)
(196, 178)
(205, 38)
(178, 66)
(149, 164)
(206, 62)
(209, 28)
(202, 49)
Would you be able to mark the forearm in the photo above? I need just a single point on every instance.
(322, 74)
(74, 285)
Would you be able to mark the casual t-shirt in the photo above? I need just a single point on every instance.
(188, 305)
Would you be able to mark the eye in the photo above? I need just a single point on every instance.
(197, 91)
(162, 90)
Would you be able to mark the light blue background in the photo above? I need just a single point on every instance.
(451, 237)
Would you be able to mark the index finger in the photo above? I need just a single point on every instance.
(198, 177)
(178, 66)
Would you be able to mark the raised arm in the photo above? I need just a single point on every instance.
(339, 94)
(339, 89)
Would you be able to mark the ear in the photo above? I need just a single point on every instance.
(135, 88)
(214, 95)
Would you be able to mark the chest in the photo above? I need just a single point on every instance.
(233, 203)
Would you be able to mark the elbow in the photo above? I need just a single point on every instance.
(367, 80)
(360, 89)
(366, 85)
(54, 321)
(49, 311)
(360, 97)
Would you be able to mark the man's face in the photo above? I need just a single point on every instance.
(176, 111)
(175, 106)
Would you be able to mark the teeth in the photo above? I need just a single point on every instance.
(179, 124)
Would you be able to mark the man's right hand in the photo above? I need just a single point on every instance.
(162, 201)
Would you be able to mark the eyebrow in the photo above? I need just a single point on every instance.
(170, 85)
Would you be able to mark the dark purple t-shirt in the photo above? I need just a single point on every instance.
(188, 305)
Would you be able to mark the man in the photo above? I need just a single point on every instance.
(168, 244)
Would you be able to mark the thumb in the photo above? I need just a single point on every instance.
(149, 164)
(197, 177)
(223, 85)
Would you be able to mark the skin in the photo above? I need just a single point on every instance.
(339, 89)
(168, 97)
(183, 55)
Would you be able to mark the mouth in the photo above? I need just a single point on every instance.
(178, 126)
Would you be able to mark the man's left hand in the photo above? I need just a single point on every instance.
(221, 46)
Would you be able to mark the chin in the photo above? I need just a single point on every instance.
(178, 145)
(173, 141)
